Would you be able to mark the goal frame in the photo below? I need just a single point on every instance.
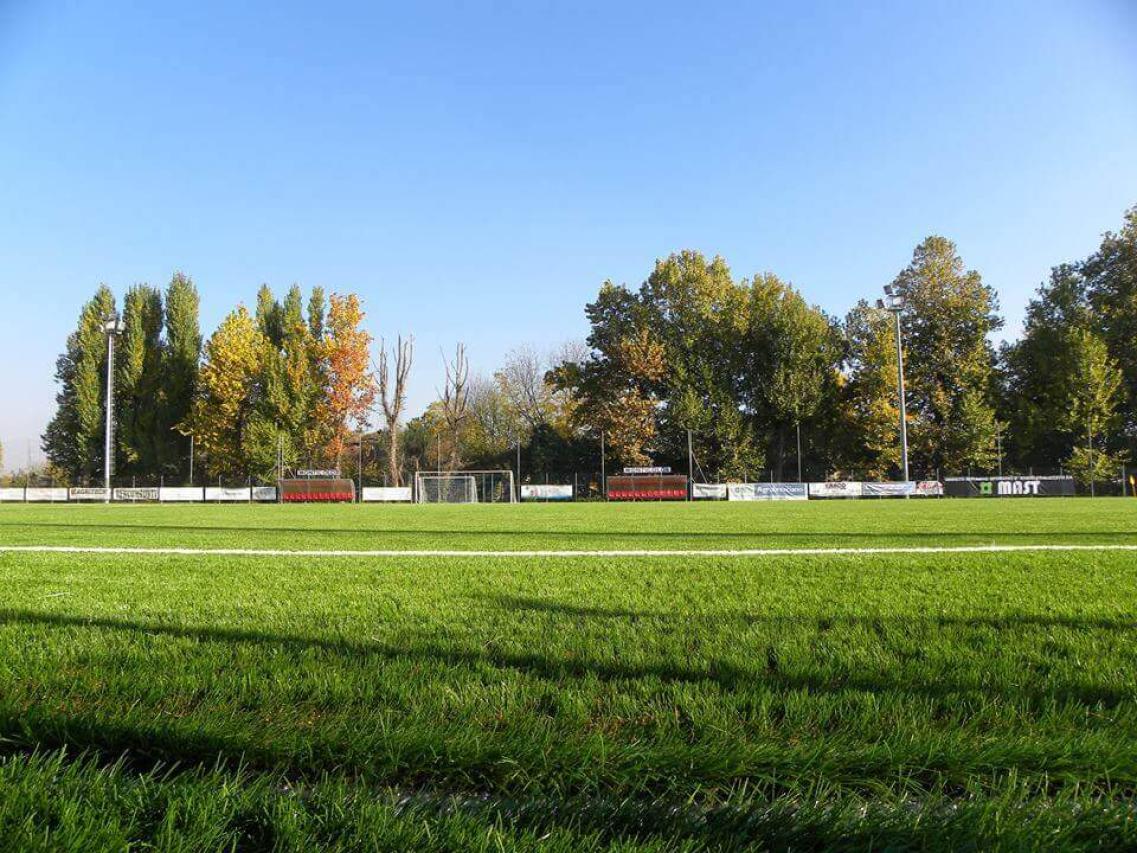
(505, 475)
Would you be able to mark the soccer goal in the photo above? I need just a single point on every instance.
(464, 487)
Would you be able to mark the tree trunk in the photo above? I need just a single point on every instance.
(393, 456)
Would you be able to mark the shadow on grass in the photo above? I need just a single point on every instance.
(727, 674)
(823, 623)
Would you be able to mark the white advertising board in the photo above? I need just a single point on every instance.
(227, 493)
(87, 493)
(929, 489)
(54, 495)
(265, 494)
(182, 494)
(386, 494)
(838, 489)
(708, 491)
(888, 490)
(136, 494)
(546, 492)
(13, 494)
(766, 491)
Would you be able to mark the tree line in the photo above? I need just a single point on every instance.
(279, 388)
(763, 379)
(759, 378)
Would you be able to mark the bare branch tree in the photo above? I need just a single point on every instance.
(455, 397)
(394, 398)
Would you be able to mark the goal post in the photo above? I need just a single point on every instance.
(464, 487)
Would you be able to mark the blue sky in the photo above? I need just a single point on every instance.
(475, 171)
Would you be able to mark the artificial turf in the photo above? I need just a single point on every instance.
(887, 700)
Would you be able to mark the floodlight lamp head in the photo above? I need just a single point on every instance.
(113, 325)
(888, 289)
(880, 305)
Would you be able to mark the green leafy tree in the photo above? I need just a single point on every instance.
(73, 440)
(139, 432)
(317, 311)
(1039, 371)
(180, 359)
(1097, 389)
(1111, 285)
(270, 316)
(284, 424)
(794, 354)
(871, 411)
(949, 363)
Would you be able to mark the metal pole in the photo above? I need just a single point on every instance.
(799, 452)
(191, 459)
(519, 466)
(690, 467)
(603, 471)
(999, 440)
(359, 469)
(1090, 447)
(903, 400)
(108, 438)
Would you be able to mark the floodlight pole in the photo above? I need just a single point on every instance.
(894, 302)
(112, 326)
(603, 472)
(690, 467)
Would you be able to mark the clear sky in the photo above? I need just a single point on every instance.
(476, 170)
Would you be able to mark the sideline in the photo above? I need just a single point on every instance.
(631, 552)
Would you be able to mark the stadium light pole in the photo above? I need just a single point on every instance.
(603, 469)
(894, 303)
(112, 326)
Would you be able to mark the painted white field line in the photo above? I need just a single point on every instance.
(633, 552)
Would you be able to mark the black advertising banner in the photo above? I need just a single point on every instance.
(1008, 487)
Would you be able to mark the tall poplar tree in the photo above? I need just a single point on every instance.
(138, 383)
(73, 440)
(179, 372)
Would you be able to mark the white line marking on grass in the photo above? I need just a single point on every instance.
(634, 552)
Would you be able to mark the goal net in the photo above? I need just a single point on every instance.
(464, 487)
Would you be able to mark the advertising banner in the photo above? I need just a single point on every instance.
(13, 494)
(87, 493)
(929, 489)
(767, 491)
(887, 490)
(708, 491)
(387, 494)
(264, 494)
(183, 494)
(546, 492)
(227, 493)
(52, 495)
(1000, 487)
(837, 489)
(136, 494)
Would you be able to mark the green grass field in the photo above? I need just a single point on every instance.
(691, 702)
